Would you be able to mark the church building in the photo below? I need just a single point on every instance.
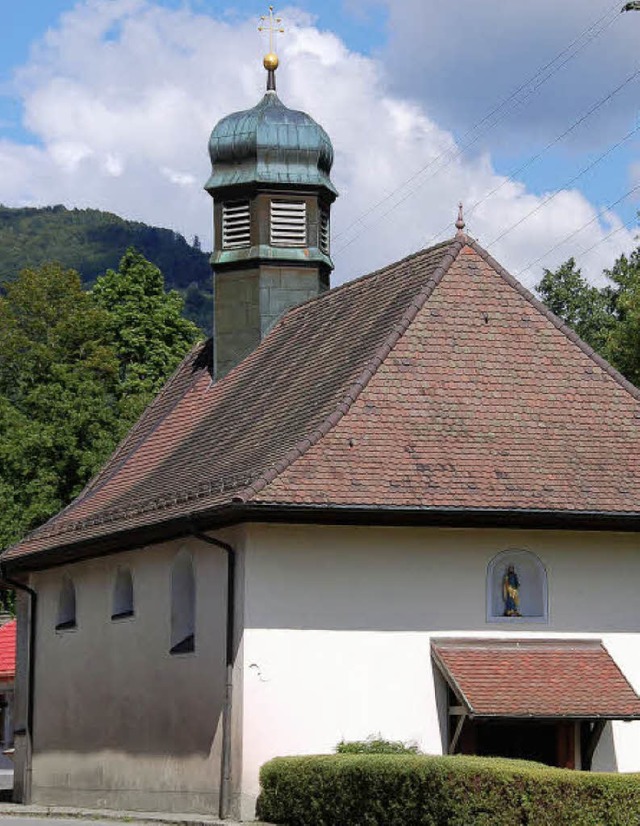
(407, 506)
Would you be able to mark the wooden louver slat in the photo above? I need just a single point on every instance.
(236, 225)
(324, 230)
(288, 223)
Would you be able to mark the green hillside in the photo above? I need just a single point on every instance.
(91, 241)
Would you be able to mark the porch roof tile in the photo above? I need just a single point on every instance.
(536, 678)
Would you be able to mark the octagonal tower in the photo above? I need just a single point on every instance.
(272, 192)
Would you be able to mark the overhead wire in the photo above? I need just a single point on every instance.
(573, 234)
(546, 201)
(510, 178)
(590, 33)
(500, 106)
(613, 232)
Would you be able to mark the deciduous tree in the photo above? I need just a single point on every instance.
(58, 395)
(587, 309)
(146, 327)
(76, 370)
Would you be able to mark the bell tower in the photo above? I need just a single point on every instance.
(272, 195)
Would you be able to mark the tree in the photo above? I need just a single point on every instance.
(146, 327)
(58, 391)
(587, 309)
(623, 345)
(607, 318)
(76, 370)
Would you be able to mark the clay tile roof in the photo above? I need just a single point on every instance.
(436, 383)
(536, 678)
(8, 650)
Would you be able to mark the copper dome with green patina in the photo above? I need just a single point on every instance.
(270, 144)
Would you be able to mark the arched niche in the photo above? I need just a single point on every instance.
(183, 605)
(66, 616)
(526, 572)
(122, 603)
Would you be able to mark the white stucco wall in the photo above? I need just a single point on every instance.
(119, 722)
(338, 622)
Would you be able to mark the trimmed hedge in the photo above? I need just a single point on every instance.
(419, 790)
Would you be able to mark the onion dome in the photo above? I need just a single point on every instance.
(270, 144)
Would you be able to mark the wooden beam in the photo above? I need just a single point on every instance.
(589, 738)
(456, 735)
(456, 711)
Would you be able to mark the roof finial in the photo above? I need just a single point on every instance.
(272, 25)
(460, 225)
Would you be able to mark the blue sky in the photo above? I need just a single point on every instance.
(363, 29)
(400, 84)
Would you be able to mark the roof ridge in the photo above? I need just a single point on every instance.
(557, 322)
(155, 503)
(353, 281)
(367, 373)
(120, 456)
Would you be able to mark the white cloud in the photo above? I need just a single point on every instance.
(461, 58)
(122, 96)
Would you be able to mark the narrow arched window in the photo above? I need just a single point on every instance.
(183, 605)
(516, 588)
(122, 605)
(66, 617)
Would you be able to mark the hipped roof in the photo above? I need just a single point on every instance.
(435, 385)
(539, 679)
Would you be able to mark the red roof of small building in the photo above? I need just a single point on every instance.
(536, 678)
(435, 384)
(8, 650)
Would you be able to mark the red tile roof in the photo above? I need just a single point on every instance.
(437, 382)
(8, 650)
(536, 678)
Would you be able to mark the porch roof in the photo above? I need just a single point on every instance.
(535, 679)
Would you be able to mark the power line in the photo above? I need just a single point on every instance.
(546, 201)
(531, 160)
(590, 35)
(563, 187)
(613, 232)
(581, 229)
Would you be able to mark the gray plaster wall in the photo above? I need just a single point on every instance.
(247, 303)
(236, 318)
(119, 721)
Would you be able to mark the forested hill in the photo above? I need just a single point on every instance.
(91, 242)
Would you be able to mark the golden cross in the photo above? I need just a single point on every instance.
(272, 26)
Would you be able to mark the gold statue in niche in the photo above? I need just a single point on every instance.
(511, 593)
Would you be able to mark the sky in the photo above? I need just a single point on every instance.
(527, 112)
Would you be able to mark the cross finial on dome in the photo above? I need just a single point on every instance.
(271, 24)
(460, 225)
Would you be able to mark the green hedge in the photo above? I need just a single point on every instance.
(417, 790)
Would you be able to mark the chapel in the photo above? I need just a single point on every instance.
(407, 506)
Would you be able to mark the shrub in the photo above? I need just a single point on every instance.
(376, 745)
(418, 790)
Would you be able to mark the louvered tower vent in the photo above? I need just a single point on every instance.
(236, 225)
(288, 223)
(324, 229)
